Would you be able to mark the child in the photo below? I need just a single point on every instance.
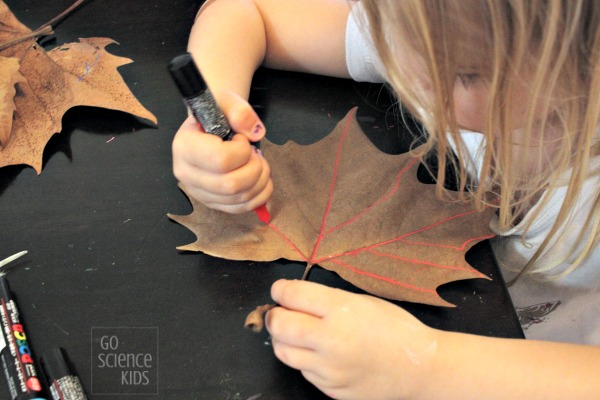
(511, 87)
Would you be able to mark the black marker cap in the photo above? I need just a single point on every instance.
(60, 376)
(187, 76)
(5, 292)
(54, 364)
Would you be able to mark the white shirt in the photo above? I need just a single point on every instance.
(567, 309)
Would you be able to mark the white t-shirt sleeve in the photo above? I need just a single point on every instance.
(472, 151)
(362, 60)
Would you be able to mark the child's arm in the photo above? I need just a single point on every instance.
(229, 41)
(232, 38)
(361, 347)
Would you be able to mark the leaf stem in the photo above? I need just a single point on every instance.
(307, 271)
(56, 20)
(45, 29)
(42, 31)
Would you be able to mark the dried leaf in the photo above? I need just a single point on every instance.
(75, 74)
(346, 206)
(8, 79)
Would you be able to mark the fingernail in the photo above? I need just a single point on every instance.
(257, 130)
(257, 151)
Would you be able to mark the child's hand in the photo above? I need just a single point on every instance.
(228, 176)
(350, 346)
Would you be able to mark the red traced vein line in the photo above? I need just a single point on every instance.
(381, 200)
(332, 186)
(396, 239)
(289, 241)
(323, 234)
(384, 278)
(458, 248)
(423, 229)
(424, 262)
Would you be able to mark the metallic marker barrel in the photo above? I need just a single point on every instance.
(198, 97)
(62, 381)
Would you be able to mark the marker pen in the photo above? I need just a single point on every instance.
(62, 382)
(198, 97)
(16, 359)
(203, 106)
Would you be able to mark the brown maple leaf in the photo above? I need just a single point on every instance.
(8, 79)
(346, 206)
(75, 74)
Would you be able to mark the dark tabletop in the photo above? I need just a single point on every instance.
(102, 275)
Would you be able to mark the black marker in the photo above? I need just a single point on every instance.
(203, 106)
(198, 97)
(62, 382)
(15, 354)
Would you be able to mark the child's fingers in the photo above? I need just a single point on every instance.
(323, 384)
(295, 357)
(304, 296)
(228, 207)
(190, 123)
(241, 116)
(209, 152)
(238, 202)
(294, 328)
(245, 181)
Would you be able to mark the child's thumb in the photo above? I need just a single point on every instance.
(245, 121)
(242, 117)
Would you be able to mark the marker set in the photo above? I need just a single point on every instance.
(17, 361)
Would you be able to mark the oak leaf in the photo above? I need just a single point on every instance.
(346, 206)
(74, 74)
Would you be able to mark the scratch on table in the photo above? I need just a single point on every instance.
(59, 327)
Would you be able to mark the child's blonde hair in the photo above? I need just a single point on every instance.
(540, 58)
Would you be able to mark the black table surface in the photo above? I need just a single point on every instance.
(102, 273)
